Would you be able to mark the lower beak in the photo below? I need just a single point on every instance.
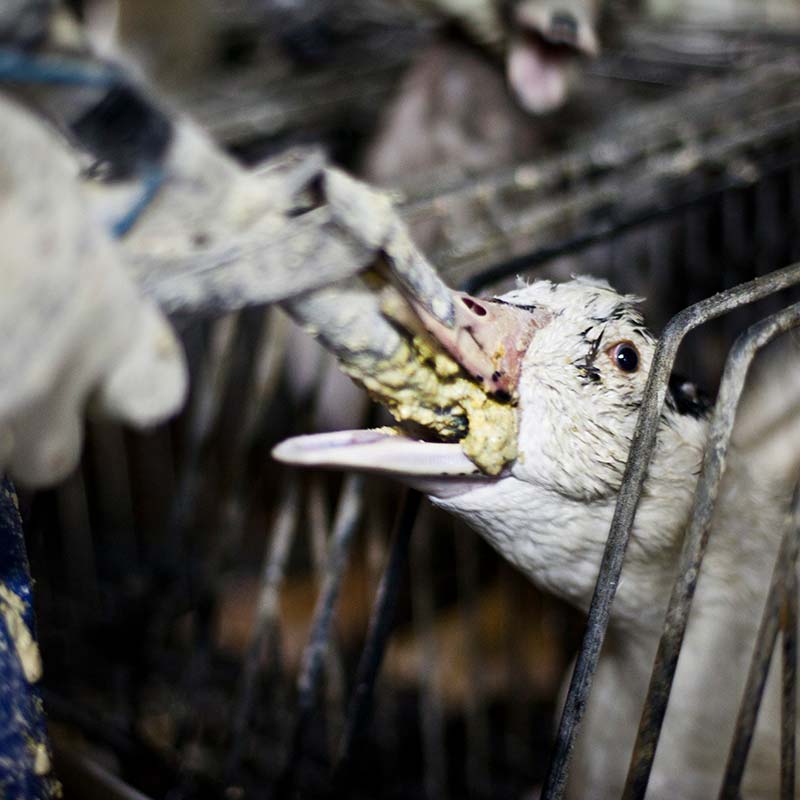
(438, 470)
(379, 451)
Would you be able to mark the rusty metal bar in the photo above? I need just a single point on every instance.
(635, 473)
(762, 656)
(431, 711)
(348, 515)
(695, 541)
(380, 628)
(265, 629)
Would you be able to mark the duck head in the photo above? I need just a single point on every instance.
(547, 41)
(573, 358)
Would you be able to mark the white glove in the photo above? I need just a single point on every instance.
(73, 328)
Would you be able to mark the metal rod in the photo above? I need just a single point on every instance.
(580, 242)
(431, 711)
(475, 705)
(635, 472)
(695, 541)
(385, 713)
(380, 627)
(762, 656)
(203, 411)
(333, 669)
(789, 687)
(348, 515)
(265, 628)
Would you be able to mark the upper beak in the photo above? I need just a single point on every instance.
(489, 339)
(559, 25)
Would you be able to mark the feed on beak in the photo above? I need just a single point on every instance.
(429, 393)
(453, 386)
(426, 388)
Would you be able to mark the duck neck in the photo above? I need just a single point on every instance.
(558, 542)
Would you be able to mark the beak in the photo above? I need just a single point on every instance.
(559, 25)
(489, 339)
(380, 451)
(441, 470)
(546, 42)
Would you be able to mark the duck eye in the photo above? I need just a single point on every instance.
(625, 356)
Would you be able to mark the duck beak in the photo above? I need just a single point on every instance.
(383, 451)
(547, 42)
(489, 339)
(436, 469)
(559, 24)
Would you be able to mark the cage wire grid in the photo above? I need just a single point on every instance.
(247, 349)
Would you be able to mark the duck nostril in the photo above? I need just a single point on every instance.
(474, 307)
(563, 27)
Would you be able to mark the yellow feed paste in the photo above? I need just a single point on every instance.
(421, 384)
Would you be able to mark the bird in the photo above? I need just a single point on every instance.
(482, 94)
(541, 41)
(581, 379)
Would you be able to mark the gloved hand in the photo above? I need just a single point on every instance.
(73, 328)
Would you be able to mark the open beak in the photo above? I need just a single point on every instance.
(489, 340)
(547, 41)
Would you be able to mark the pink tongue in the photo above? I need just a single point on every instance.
(538, 80)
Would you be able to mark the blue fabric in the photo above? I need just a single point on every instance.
(25, 772)
(17, 66)
(152, 180)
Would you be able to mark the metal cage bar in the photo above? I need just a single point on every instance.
(380, 628)
(633, 481)
(348, 516)
(789, 687)
(265, 630)
(695, 542)
(762, 657)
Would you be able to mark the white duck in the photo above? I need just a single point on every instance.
(581, 381)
